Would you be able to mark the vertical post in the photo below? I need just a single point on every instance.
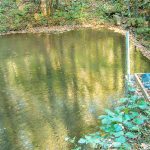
(128, 55)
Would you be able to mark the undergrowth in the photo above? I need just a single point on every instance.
(126, 127)
(11, 18)
(76, 11)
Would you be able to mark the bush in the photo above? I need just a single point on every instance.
(11, 18)
(121, 127)
(70, 12)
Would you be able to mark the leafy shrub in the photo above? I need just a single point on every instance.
(72, 11)
(140, 21)
(103, 9)
(143, 30)
(11, 18)
(120, 128)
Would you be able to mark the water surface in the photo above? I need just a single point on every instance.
(55, 85)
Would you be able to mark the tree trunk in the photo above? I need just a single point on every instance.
(44, 7)
(57, 3)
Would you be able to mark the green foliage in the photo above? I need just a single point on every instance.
(11, 18)
(73, 11)
(143, 30)
(121, 127)
(135, 22)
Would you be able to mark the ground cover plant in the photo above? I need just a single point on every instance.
(127, 126)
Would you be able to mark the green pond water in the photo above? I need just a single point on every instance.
(55, 85)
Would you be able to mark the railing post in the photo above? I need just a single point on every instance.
(128, 55)
(127, 78)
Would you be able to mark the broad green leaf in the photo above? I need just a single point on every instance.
(116, 144)
(107, 128)
(72, 140)
(135, 128)
(138, 121)
(126, 110)
(95, 134)
(119, 109)
(144, 117)
(106, 121)
(128, 124)
(127, 117)
(130, 135)
(127, 146)
(134, 98)
(82, 141)
(110, 113)
(117, 119)
(78, 148)
(130, 89)
(102, 116)
(142, 105)
(120, 139)
(123, 100)
(88, 137)
(117, 134)
(134, 114)
(147, 112)
(132, 106)
(117, 127)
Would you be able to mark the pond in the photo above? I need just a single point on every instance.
(55, 85)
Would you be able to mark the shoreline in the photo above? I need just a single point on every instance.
(65, 28)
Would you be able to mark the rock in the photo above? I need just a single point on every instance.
(145, 146)
(117, 19)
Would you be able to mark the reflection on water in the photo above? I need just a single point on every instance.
(53, 86)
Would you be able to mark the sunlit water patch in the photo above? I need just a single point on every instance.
(55, 85)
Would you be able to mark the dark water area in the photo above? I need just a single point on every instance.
(55, 85)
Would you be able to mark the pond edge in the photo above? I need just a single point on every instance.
(61, 29)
